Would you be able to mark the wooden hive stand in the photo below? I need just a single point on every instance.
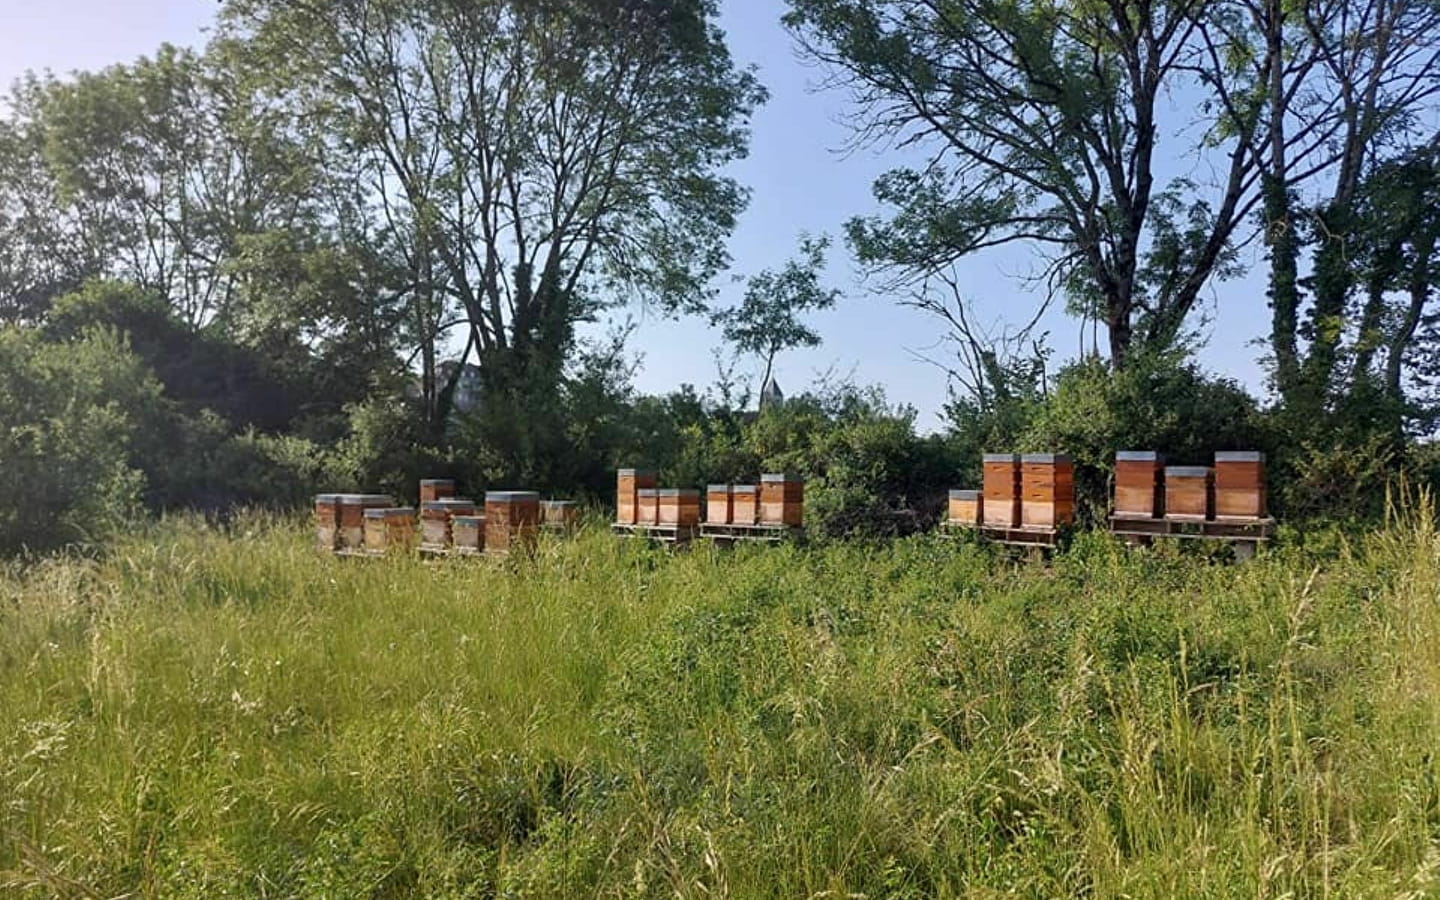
(512, 519)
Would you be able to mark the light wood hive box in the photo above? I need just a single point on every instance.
(679, 506)
(647, 506)
(744, 504)
(467, 534)
(511, 520)
(436, 517)
(1047, 487)
(1240, 485)
(327, 522)
(1138, 479)
(782, 500)
(1002, 489)
(717, 504)
(432, 489)
(352, 517)
(1188, 492)
(628, 484)
(390, 530)
(560, 513)
(966, 507)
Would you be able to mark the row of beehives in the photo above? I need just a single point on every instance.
(372, 524)
(778, 500)
(1038, 490)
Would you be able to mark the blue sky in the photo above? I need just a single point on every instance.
(799, 181)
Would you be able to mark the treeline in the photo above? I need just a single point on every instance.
(349, 244)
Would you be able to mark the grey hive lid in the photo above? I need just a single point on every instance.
(1046, 458)
(1137, 456)
(469, 520)
(448, 503)
(648, 492)
(387, 511)
(743, 488)
(435, 481)
(1001, 457)
(558, 503)
(328, 498)
(781, 478)
(717, 488)
(366, 499)
(635, 471)
(679, 492)
(511, 496)
(1187, 471)
(965, 495)
(1239, 456)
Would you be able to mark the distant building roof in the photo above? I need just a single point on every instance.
(770, 392)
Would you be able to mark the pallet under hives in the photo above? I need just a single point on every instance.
(1245, 536)
(1017, 536)
(670, 533)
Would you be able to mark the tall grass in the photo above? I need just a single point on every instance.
(207, 714)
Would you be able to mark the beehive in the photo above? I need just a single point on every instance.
(1047, 490)
(1188, 492)
(717, 504)
(782, 500)
(647, 506)
(436, 519)
(327, 522)
(679, 506)
(1138, 475)
(744, 504)
(966, 507)
(352, 517)
(511, 519)
(390, 530)
(1240, 485)
(562, 514)
(628, 485)
(467, 534)
(1002, 490)
(432, 489)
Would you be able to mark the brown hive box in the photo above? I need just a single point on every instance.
(436, 517)
(327, 522)
(679, 506)
(1240, 485)
(744, 504)
(352, 517)
(647, 506)
(511, 518)
(717, 504)
(782, 500)
(467, 534)
(966, 507)
(432, 489)
(1138, 476)
(390, 530)
(1002, 489)
(629, 483)
(559, 513)
(1047, 490)
(1188, 492)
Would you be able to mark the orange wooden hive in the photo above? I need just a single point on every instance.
(679, 506)
(1138, 475)
(629, 483)
(1240, 485)
(436, 520)
(1002, 490)
(327, 522)
(467, 534)
(432, 489)
(352, 517)
(744, 504)
(511, 519)
(782, 500)
(1188, 492)
(559, 514)
(390, 530)
(647, 506)
(717, 504)
(966, 507)
(1047, 490)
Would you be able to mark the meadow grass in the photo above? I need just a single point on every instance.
(208, 713)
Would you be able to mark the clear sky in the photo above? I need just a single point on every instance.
(799, 182)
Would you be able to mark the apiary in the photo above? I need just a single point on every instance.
(511, 519)
(782, 500)
(718, 504)
(432, 489)
(1240, 485)
(1047, 484)
(1002, 490)
(679, 506)
(744, 504)
(966, 507)
(1138, 478)
(467, 534)
(1188, 492)
(629, 483)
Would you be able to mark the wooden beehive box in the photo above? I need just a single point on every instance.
(629, 483)
(352, 517)
(1240, 485)
(782, 500)
(1138, 478)
(1188, 491)
(511, 520)
(436, 517)
(563, 515)
(744, 504)
(432, 489)
(717, 504)
(467, 534)
(390, 530)
(966, 507)
(679, 506)
(647, 506)
(327, 522)
(1047, 490)
(1002, 490)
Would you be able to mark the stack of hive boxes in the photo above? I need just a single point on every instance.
(348, 511)
(389, 530)
(559, 515)
(777, 501)
(1002, 490)
(327, 522)
(629, 484)
(467, 535)
(437, 522)
(782, 500)
(719, 506)
(1138, 493)
(1188, 492)
(1047, 485)
(744, 504)
(1240, 485)
(511, 521)
(966, 508)
(679, 507)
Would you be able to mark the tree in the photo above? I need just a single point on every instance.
(766, 321)
(1041, 123)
